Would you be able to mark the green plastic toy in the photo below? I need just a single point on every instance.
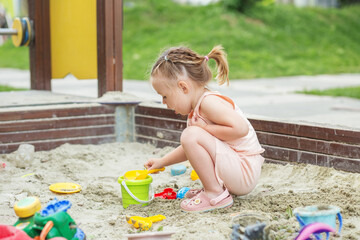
(33, 222)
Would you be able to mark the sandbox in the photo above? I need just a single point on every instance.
(99, 211)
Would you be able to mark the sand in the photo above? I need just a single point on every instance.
(98, 207)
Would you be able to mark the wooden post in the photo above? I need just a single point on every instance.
(109, 42)
(40, 51)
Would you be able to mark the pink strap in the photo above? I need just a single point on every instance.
(197, 107)
(219, 198)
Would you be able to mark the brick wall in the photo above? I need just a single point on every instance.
(50, 126)
(284, 142)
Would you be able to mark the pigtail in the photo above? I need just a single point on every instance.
(218, 54)
(179, 61)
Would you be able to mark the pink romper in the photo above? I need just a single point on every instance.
(238, 162)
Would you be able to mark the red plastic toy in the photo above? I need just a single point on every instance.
(12, 233)
(168, 193)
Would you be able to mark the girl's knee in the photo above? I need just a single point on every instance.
(190, 135)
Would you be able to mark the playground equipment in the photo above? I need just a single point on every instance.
(82, 37)
(22, 32)
(52, 221)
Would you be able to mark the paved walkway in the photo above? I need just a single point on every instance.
(267, 98)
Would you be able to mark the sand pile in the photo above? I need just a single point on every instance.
(98, 208)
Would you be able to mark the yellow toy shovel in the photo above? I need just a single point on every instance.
(144, 223)
(140, 174)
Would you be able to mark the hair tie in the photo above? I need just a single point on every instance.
(207, 58)
(166, 58)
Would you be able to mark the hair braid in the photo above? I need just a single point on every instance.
(178, 61)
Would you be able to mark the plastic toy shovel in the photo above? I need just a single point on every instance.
(140, 174)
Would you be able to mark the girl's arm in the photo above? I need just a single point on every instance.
(175, 156)
(227, 123)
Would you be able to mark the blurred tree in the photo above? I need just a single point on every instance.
(239, 5)
(348, 2)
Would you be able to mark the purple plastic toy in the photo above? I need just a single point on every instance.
(314, 228)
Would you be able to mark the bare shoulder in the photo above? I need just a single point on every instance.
(213, 100)
(213, 104)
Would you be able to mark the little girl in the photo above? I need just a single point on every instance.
(219, 142)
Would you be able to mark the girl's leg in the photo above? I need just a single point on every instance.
(199, 147)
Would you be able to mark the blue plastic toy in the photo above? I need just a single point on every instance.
(178, 169)
(318, 214)
(55, 206)
(182, 191)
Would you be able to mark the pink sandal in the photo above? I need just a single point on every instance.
(202, 203)
(193, 192)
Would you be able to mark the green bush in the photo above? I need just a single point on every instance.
(348, 2)
(239, 5)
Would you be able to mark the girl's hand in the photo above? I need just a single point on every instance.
(153, 163)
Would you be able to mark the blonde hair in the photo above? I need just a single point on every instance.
(179, 61)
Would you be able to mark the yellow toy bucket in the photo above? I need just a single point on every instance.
(135, 191)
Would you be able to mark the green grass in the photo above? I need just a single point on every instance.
(353, 92)
(278, 40)
(271, 41)
(13, 57)
(5, 88)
